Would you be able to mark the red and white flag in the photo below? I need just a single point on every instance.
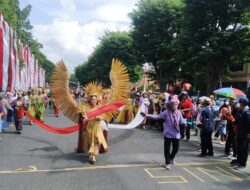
(16, 63)
(4, 53)
(11, 49)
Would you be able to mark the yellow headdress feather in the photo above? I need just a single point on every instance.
(93, 89)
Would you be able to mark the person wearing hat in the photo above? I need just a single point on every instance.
(207, 126)
(172, 119)
(243, 134)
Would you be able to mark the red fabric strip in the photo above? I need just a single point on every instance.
(72, 129)
(49, 128)
(104, 109)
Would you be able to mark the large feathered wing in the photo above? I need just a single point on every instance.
(120, 88)
(60, 91)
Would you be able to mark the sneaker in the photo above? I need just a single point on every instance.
(239, 167)
(231, 157)
(172, 162)
(168, 166)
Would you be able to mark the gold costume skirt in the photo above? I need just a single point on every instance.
(94, 138)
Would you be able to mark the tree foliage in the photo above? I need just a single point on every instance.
(112, 45)
(214, 38)
(155, 27)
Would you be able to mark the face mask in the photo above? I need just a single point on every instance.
(226, 103)
(237, 106)
(174, 107)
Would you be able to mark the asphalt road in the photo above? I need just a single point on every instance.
(39, 160)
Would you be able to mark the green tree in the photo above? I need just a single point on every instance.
(215, 37)
(155, 28)
(73, 78)
(112, 45)
(10, 9)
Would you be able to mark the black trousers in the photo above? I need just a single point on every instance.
(242, 151)
(18, 123)
(206, 142)
(9, 116)
(230, 143)
(185, 130)
(167, 146)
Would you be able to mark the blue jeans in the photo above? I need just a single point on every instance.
(1, 125)
(5, 123)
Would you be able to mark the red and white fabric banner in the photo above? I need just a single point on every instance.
(11, 52)
(4, 53)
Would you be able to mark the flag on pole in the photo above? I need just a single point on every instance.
(10, 71)
(4, 53)
(16, 63)
(11, 49)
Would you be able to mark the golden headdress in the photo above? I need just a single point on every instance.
(93, 89)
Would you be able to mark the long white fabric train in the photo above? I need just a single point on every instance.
(133, 124)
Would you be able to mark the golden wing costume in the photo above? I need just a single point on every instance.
(119, 90)
(60, 91)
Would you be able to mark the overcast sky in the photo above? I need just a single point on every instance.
(70, 29)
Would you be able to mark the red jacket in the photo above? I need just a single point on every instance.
(186, 104)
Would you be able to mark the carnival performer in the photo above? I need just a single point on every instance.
(91, 136)
(19, 106)
(32, 104)
(40, 105)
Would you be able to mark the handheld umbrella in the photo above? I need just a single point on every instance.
(229, 92)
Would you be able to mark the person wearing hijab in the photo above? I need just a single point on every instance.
(172, 120)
